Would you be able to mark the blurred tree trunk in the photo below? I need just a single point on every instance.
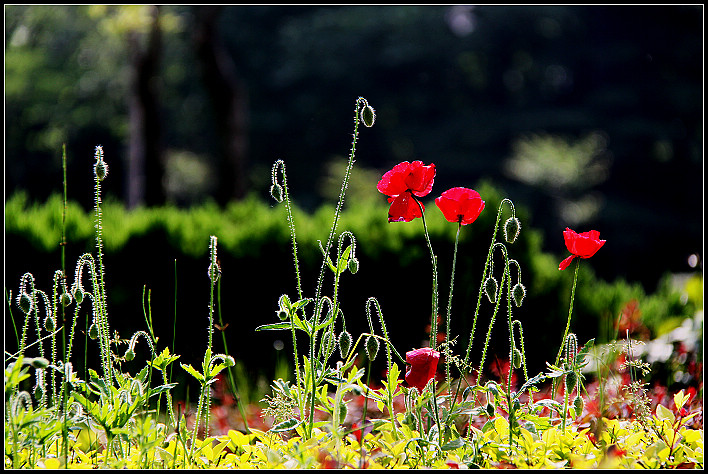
(228, 100)
(145, 154)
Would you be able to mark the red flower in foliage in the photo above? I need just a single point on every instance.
(423, 364)
(460, 205)
(403, 182)
(582, 245)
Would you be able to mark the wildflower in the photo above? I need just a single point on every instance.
(582, 245)
(423, 364)
(403, 182)
(461, 205)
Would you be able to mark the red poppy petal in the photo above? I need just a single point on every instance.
(393, 181)
(404, 208)
(564, 264)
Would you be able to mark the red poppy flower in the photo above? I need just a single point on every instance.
(461, 205)
(580, 245)
(403, 182)
(423, 364)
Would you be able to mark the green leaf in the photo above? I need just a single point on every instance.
(193, 372)
(664, 413)
(290, 424)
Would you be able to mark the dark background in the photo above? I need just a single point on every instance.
(231, 89)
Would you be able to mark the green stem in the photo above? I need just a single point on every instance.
(433, 259)
(567, 326)
(449, 312)
(230, 369)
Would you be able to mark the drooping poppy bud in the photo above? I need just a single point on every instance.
(93, 331)
(353, 265)
(129, 355)
(24, 302)
(571, 380)
(345, 343)
(372, 347)
(578, 405)
(490, 288)
(517, 358)
(277, 192)
(65, 299)
(79, 295)
(368, 115)
(49, 324)
(512, 227)
(518, 293)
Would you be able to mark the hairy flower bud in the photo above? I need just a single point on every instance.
(490, 288)
(277, 192)
(490, 409)
(93, 331)
(79, 295)
(49, 324)
(39, 363)
(345, 343)
(65, 299)
(518, 293)
(24, 302)
(517, 359)
(353, 265)
(512, 227)
(129, 355)
(571, 380)
(578, 405)
(368, 115)
(100, 169)
(372, 347)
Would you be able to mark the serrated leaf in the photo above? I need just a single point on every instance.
(193, 372)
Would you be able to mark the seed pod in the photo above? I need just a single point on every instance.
(518, 293)
(517, 358)
(490, 288)
(277, 192)
(372, 347)
(512, 227)
(368, 115)
(345, 343)
(578, 405)
(93, 331)
(25, 303)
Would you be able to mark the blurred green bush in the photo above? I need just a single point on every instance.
(165, 249)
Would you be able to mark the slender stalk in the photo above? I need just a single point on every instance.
(449, 310)
(570, 311)
(230, 369)
(433, 259)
